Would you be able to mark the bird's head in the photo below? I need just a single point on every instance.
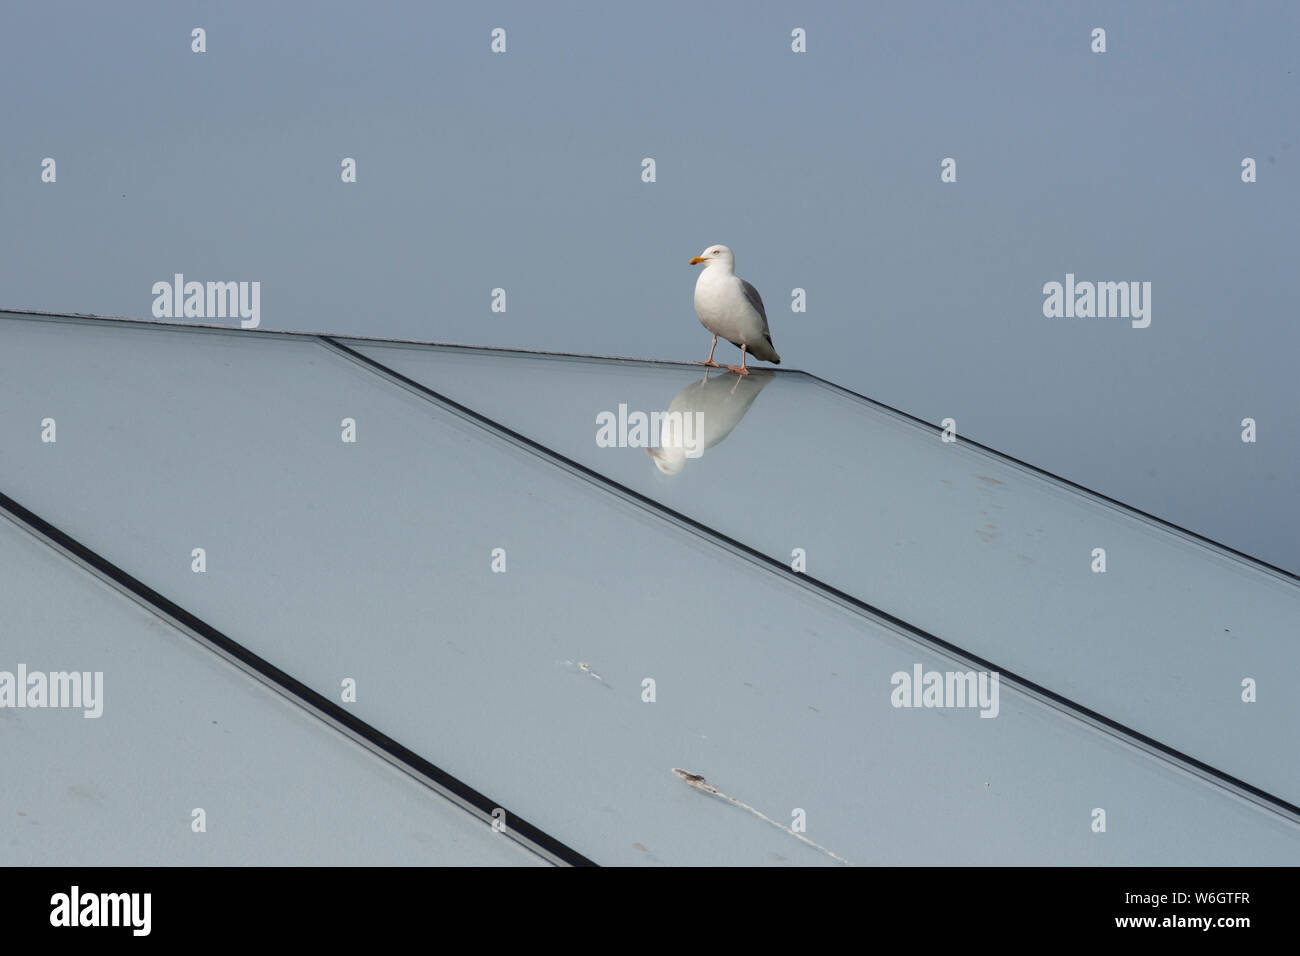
(715, 254)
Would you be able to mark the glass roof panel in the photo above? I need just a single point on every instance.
(957, 540)
(177, 729)
(524, 671)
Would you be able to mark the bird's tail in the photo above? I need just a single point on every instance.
(770, 354)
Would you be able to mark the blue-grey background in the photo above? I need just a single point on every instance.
(821, 170)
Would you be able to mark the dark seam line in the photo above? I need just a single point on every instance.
(1065, 481)
(517, 826)
(334, 338)
(817, 585)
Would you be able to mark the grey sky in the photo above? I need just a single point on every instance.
(820, 170)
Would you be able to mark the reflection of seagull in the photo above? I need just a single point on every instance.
(729, 306)
(722, 401)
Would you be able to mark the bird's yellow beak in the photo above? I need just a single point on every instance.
(697, 260)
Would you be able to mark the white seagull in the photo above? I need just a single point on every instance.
(729, 306)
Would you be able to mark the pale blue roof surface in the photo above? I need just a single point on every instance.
(179, 730)
(373, 561)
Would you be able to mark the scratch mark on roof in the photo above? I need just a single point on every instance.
(586, 669)
(699, 783)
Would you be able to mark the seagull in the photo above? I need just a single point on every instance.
(729, 306)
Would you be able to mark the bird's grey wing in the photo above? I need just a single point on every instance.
(751, 296)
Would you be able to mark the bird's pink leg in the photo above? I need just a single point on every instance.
(741, 370)
(709, 361)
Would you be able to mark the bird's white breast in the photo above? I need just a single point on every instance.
(723, 309)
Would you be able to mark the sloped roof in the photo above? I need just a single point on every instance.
(523, 686)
